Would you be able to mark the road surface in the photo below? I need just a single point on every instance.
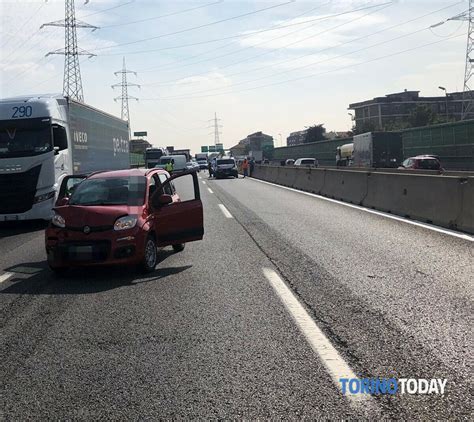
(285, 293)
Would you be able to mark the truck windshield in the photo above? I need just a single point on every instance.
(154, 155)
(25, 137)
(110, 191)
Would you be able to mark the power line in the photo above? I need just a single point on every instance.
(108, 9)
(320, 61)
(199, 26)
(227, 44)
(22, 26)
(306, 76)
(230, 37)
(274, 49)
(163, 16)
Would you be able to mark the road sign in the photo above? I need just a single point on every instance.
(139, 133)
(204, 149)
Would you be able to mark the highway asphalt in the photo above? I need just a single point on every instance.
(212, 333)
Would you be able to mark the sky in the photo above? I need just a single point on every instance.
(273, 66)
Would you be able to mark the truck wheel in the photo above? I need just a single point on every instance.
(150, 256)
(179, 247)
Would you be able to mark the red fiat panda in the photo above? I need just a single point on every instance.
(120, 218)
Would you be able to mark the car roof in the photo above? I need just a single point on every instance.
(424, 157)
(308, 158)
(124, 173)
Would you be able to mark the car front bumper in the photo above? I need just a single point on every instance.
(68, 248)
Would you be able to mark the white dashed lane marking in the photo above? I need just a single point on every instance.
(225, 211)
(210, 190)
(329, 356)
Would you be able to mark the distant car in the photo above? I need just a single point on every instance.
(224, 167)
(290, 162)
(192, 165)
(120, 218)
(306, 162)
(202, 164)
(266, 161)
(422, 162)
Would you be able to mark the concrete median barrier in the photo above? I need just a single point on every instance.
(309, 179)
(286, 176)
(466, 219)
(447, 201)
(433, 199)
(345, 185)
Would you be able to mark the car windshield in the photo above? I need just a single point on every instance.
(229, 161)
(110, 191)
(25, 137)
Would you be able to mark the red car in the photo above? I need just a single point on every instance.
(121, 218)
(422, 162)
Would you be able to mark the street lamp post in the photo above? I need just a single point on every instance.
(281, 142)
(442, 88)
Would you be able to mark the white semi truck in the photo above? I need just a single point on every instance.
(43, 138)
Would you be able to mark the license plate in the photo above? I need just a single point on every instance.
(80, 252)
(11, 218)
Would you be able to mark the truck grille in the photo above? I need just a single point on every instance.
(17, 191)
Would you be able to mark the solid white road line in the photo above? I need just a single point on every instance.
(5, 277)
(210, 190)
(380, 213)
(225, 211)
(330, 357)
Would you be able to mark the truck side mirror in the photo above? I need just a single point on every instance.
(56, 150)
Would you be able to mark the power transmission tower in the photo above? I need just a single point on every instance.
(125, 97)
(72, 82)
(216, 127)
(468, 97)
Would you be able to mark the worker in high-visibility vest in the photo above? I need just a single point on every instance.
(169, 166)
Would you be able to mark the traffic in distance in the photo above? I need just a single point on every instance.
(218, 262)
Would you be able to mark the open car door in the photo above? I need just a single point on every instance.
(68, 185)
(178, 222)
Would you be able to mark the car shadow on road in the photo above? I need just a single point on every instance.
(35, 278)
(14, 228)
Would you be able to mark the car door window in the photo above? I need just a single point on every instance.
(168, 188)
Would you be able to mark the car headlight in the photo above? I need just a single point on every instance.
(58, 221)
(124, 223)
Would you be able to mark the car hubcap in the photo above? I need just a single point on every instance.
(150, 254)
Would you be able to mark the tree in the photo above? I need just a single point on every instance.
(364, 127)
(422, 115)
(315, 133)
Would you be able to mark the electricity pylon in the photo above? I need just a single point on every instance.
(125, 97)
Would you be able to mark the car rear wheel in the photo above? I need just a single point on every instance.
(150, 256)
(179, 247)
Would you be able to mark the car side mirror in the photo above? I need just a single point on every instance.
(56, 150)
(63, 201)
(161, 200)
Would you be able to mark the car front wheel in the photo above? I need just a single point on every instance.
(150, 255)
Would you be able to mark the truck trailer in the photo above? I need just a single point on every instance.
(378, 150)
(44, 138)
